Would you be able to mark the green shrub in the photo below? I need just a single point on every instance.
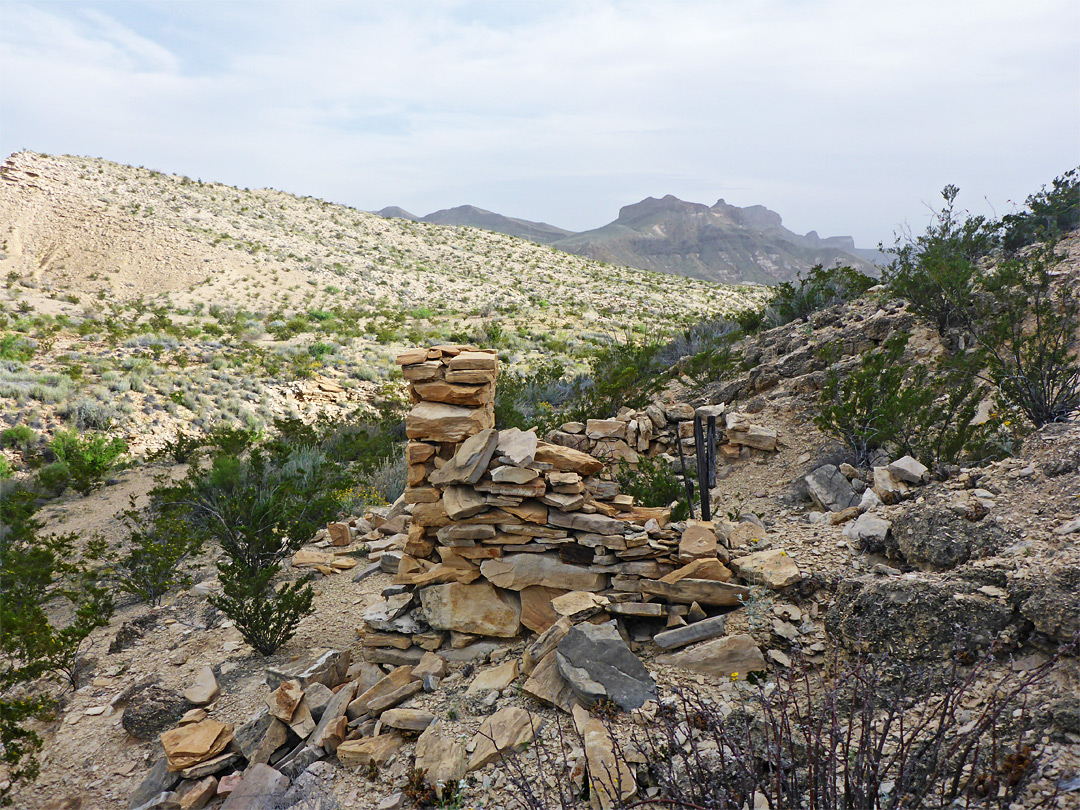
(653, 484)
(1049, 214)
(158, 543)
(266, 617)
(5, 469)
(818, 289)
(88, 414)
(889, 404)
(180, 449)
(938, 272)
(1028, 335)
(16, 347)
(527, 400)
(36, 575)
(89, 457)
(20, 436)
(53, 479)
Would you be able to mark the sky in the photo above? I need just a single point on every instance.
(845, 116)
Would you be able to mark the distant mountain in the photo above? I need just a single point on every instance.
(719, 243)
(393, 212)
(490, 221)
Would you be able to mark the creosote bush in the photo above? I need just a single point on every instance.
(158, 543)
(89, 457)
(653, 484)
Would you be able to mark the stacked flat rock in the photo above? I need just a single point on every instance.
(654, 431)
(504, 524)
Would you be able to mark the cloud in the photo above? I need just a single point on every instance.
(841, 115)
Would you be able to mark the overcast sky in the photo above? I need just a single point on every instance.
(844, 116)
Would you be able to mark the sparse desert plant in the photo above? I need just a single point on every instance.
(22, 437)
(88, 414)
(53, 479)
(887, 403)
(1028, 333)
(157, 545)
(819, 288)
(36, 572)
(938, 271)
(89, 457)
(6, 470)
(653, 484)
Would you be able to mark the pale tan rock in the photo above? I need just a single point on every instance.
(196, 742)
(192, 716)
(605, 429)
(340, 534)
(462, 502)
(197, 795)
(454, 393)
(284, 700)
(430, 664)
(362, 753)
(395, 680)
(469, 462)
(439, 422)
(517, 571)
(612, 451)
(428, 370)
(566, 459)
(302, 722)
(530, 512)
(547, 684)
(408, 358)
(478, 608)
(700, 569)
(698, 541)
(418, 452)
(728, 657)
(430, 515)
(579, 605)
(513, 475)
(543, 644)
(495, 679)
(610, 775)
(773, 569)
(441, 756)
(205, 689)
(508, 729)
(536, 611)
(472, 360)
(407, 719)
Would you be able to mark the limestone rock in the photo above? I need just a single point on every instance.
(698, 541)
(469, 462)
(610, 775)
(547, 684)
(729, 656)
(494, 679)
(407, 719)
(517, 446)
(566, 459)
(773, 569)
(196, 742)
(364, 752)
(440, 422)
(543, 644)
(888, 487)
(441, 756)
(537, 612)
(699, 569)
(389, 684)
(151, 711)
(579, 605)
(258, 790)
(868, 530)
(908, 470)
(327, 667)
(478, 608)
(284, 700)
(471, 396)
(508, 729)
(830, 490)
(690, 634)
(597, 664)
(517, 571)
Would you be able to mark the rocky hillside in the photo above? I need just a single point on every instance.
(721, 243)
(163, 301)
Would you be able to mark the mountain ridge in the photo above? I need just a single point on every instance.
(722, 242)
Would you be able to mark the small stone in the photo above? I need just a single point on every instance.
(909, 470)
(508, 729)
(496, 678)
(407, 719)
(773, 569)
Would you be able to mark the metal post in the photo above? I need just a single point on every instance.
(702, 467)
(686, 479)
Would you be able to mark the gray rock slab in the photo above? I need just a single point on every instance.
(830, 490)
(596, 662)
(691, 633)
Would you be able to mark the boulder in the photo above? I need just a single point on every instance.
(868, 530)
(258, 790)
(478, 608)
(773, 568)
(830, 490)
(151, 711)
(441, 756)
(369, 751)
(407, 719)
(698, 541)
(327, 667)
(934, 538)
(205, 689)
(888, 487)
(509, 729)
(159, 780)
(536, 611)
(727, 657)
(912, 619)
(196, 742)
(908, 470)
(518, 447)
(597, 664)
(547, 684)
(566, 459)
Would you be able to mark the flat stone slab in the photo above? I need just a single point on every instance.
(596, 662)
(691, 634)
(728, 657)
